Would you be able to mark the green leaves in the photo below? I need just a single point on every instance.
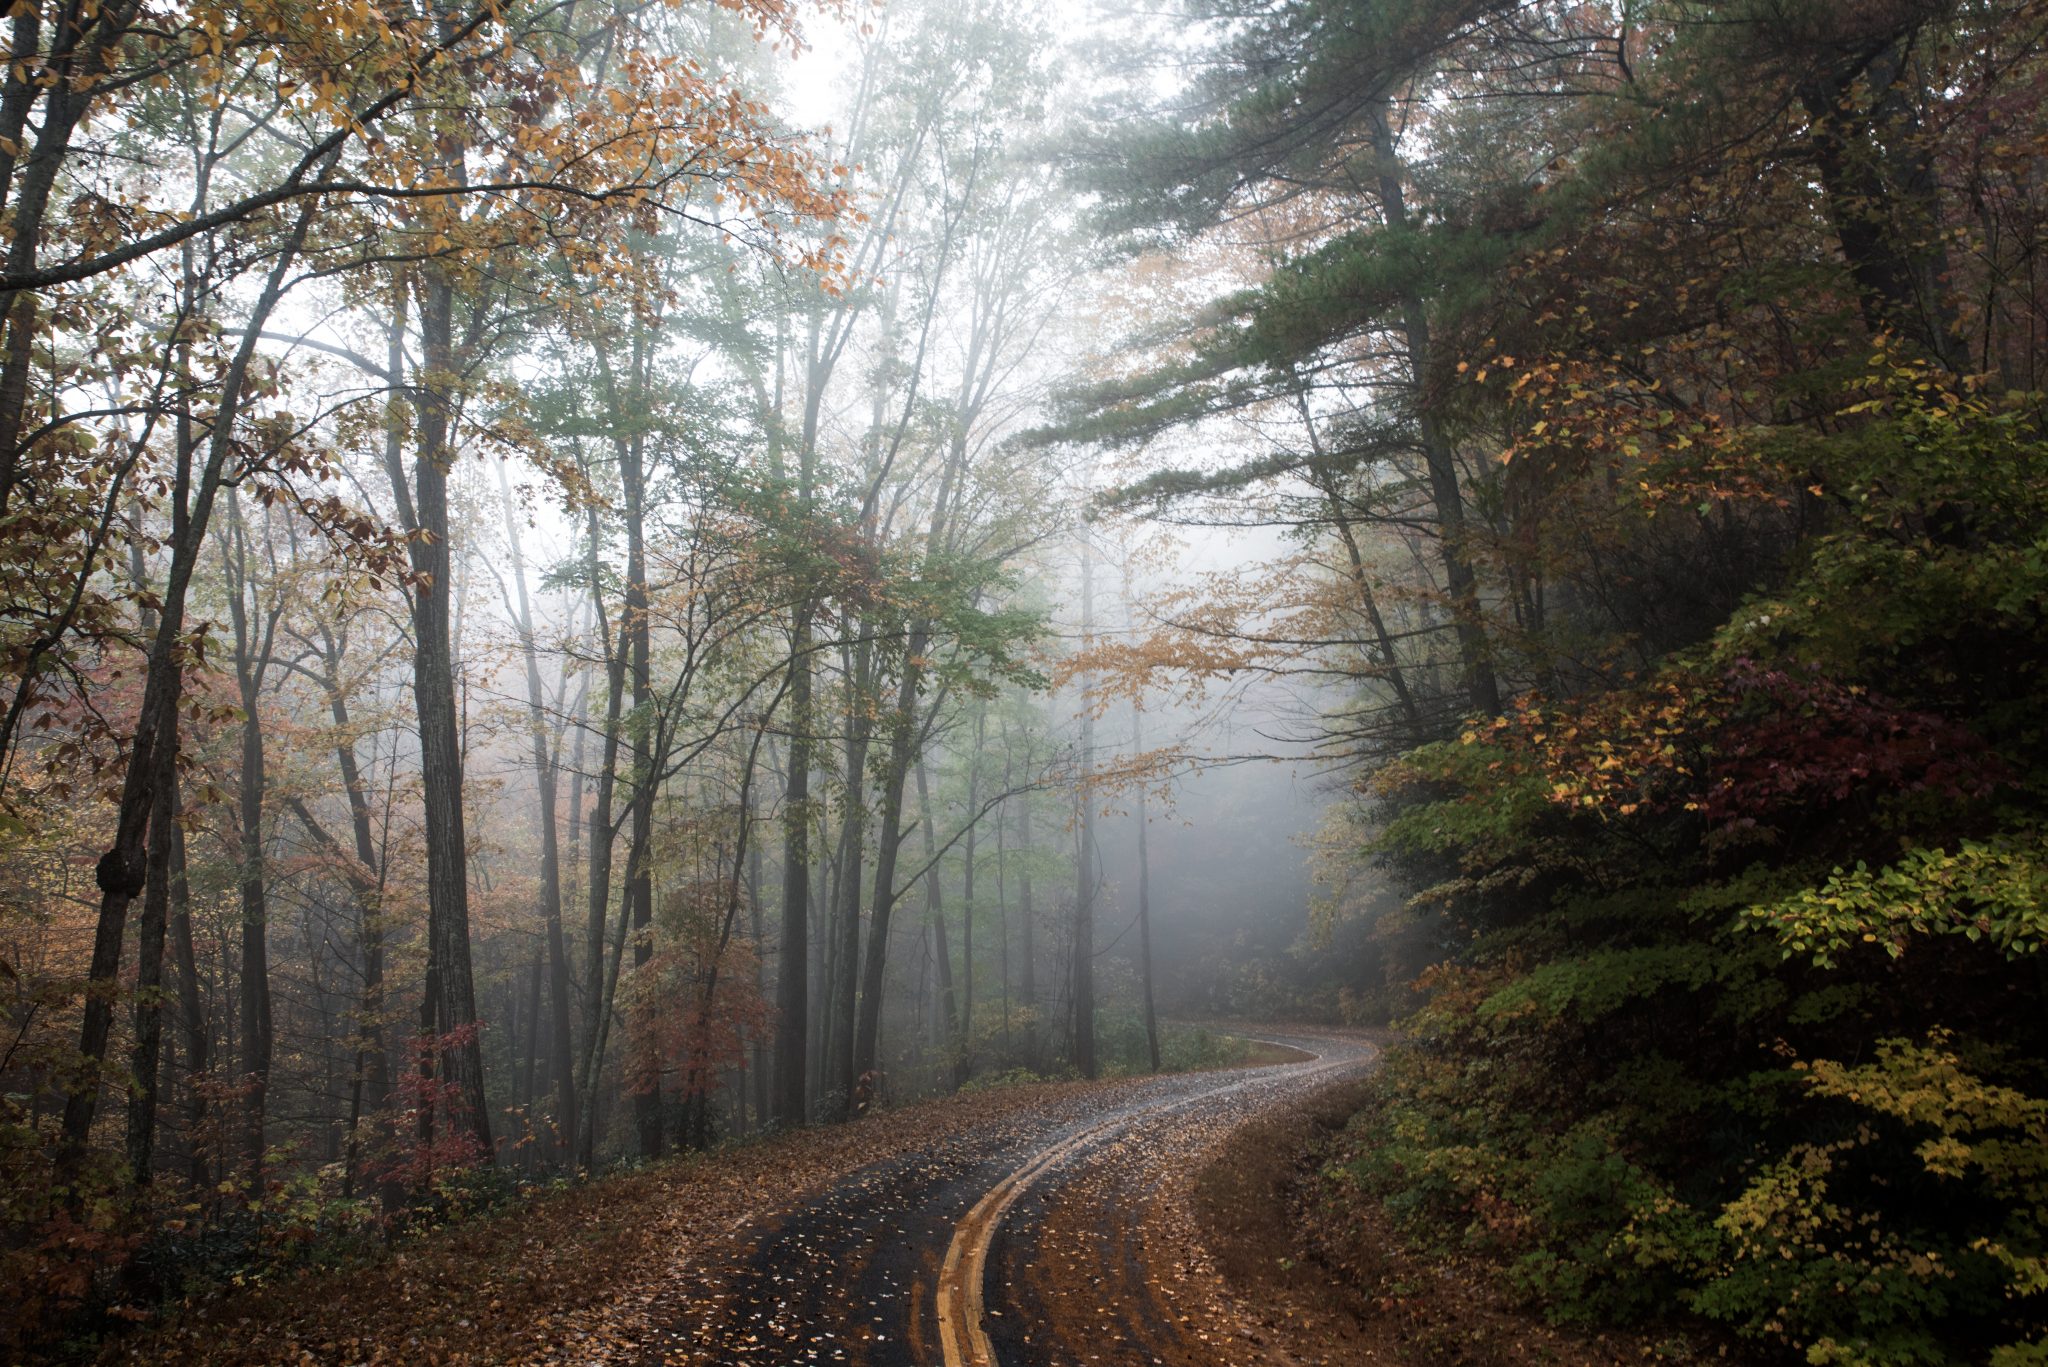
(1994, 893)
(1588, 988)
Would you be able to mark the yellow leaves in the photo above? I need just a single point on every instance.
(1946, 1156)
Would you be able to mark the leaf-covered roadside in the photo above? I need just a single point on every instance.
(1333, 1281)
(579, 1274)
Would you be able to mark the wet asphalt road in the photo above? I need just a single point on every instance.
(1086, 1266)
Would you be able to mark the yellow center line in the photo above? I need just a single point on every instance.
(963, 1276)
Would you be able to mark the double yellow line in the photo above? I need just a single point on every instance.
(965, 1270)
(962, 1276)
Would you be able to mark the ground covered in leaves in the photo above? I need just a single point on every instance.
(580, 1275)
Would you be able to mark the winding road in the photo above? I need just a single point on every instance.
(1057, 1240)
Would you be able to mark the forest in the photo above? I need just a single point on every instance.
(590, 586)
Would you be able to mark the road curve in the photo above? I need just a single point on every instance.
(1053, 1240)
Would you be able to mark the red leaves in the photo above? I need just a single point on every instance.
(430, 1135)
(1748, 745)
(694, 1005)
(1800, 738)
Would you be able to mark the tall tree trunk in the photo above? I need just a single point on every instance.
(1145, 898)
(195, 1030)
(370, 1084)
(529, 1057)
(1081, 970)
(867, 1032)
(1003, 902)
(839, 1071)
(758, 1072)
(966, 1044)
(640, 867)
(826, 971)
(1445, 489)
(451, 982)
(946, 1028)
(372, 1071)
(1027, 974)
(586, 1144)
(546, 778)
(573, 872)
(905, 742)
(251, 661)
(64, 79)
(603, 828)
(1883, 199)
(792, 982)
(156, 903)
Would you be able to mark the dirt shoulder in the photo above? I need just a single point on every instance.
(579, 1275)
(1327, 1277)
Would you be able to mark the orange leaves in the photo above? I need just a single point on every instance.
(1613, 752)
(1600, 413)
(471, 132)
(1150, 774)
(692, 1007)
(1115, 668)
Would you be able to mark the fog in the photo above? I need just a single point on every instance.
(627, 620)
